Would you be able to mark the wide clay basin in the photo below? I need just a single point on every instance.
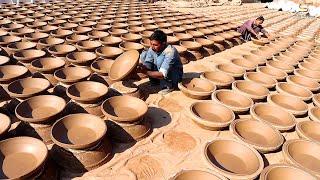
(191, 45)
(4, 60)
(197, 88)
(9, 73)
(308, 73)
(294, 90)
(126, 46)
(197, 174)
(273, 72)
(27, 56)
(130, 37)
(7, 39)
(61, 33)
(261, 41)
(235, 101)
(136, 29)
(68, 26)
(146, 34)
(304, 154)
(88, 45)
(24, 88)
(81, 58)
(253, 90)
(316, 100)
(102, 27)
(61, 50)
(34, 110)
(218, 78)
(50, 41)
(22, 31)
(87, 92)
(231, 69)
(12, 26)
(281, 65)
(291, 104)
(261, 78)
(314, 114)
(102, 66)
(47, 28)
(47, 65)
(309, 66)
(82, 30)
(109, 52)
(210, 115)
(71, 74)
(28, 153)
(95, 34)
(259, 135)
(309, 130)
(256, 59)
(19, 46)
(183, 36)
(78, 131)
(274, 171)
(216, 38)
(110, 41)
(243, 63)
(117, 32)
(233, 159)
(124, 108)
(74, 38)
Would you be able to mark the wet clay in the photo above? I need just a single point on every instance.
(179, 141)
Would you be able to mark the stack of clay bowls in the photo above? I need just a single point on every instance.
(80, 143)
(197, 88)
(125, 115)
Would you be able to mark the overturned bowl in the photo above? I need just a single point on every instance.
(308, 83)
(218, 78)
(294, 90)
(261, 78)
(309, 130)
(71, 75)
(87, 92)
(284, 171)
(291, 104)
(197, 88)
(253, 90)
(235, 101)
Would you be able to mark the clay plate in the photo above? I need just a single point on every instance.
(250, 89)
(196, 174)
(71, 74)
(308, 83)
(309, 130)
(197, 88)
(218, 78)
(27, 87)
(261, 78)
(294, 90)
(78, 131)
(87, 91)
(284, 171)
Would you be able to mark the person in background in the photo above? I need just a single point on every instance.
(161, 63)
(252, 28)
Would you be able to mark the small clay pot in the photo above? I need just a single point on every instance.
(26, 56)
(308, 130)
(109, 52)
(220, 79)
(261, 78)
(253, 90)
(61, 50)
(191, 45)
(294, 90)
(231, 69)
(136, 29)
(101, 27)
(87, 92)
(236, 102)
(292, 104)
(126, 46)
(259, 135)
(13, 26)
(47, 65)
(47, 42)
(308, 83)
(221, 153)
(216, 38)
(71, 75)
(316, 100)
(245, 64)
(275, 73)
(285, 171)
(308, 74)
(88, 45)
(75, 38)
(285, 59)
(11, 73)
(197, 88)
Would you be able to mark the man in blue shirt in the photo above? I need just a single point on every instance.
(161, 63)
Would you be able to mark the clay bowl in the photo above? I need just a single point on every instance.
(28, 87)
(81, 30)
(191, 45)
(281, 65)
(259, 135)
(309, 130)
(5, 40)
(314, 114)
(300, 153)
(273, 72)
(261, 41)
(47, 42)
(286, 59)
(47, 65)
(81, 58)
(291, 104)
(309, 66)
(5, 124)
(78, 131)
(183, 36)
(130, 37)
(261, 78)
(231, 69)
(196, 174)
(61, 50)
(210, 115)
(109, 52)
(236, 102)
(308, 74)
(4, 60)
(68, 26)
(110, 41)
(265, 54)
(145, 43)
(250, 89)
(74, 38)
(36, 24)
(117, 32)
(294, 90)
(124, 108)
(47, 28)
(256, 59)
(216, 38)
(126, 46)
(101, 27)
(29, 55)
(233, 159)
(146, 34)
(316, 100)
(88, 45)
(197, 88)
(95, 34)
(245, 64)
(308, 83)
(9, 73)
(124, 65)
(218, 78)
(22, 31)
(12, 26)
(61, 33)
(87, 23)
(204, 42)
(22, 150)
(87, 92)
(19, 46)
(71, 75)
(40, 109)
(284, 171)
(102, 67)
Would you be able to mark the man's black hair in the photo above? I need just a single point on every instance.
(159, 35)
(260, 18)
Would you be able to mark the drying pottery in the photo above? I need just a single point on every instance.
(261, 41)
(256, 59)
(245, 64)
(236, 102)
(117, 32)
(285, 59)
(259, 135)
(81, 30)
(316, 100)
(183, 36)
(87, 23)
(292, 104)
(26, 56)
(23, 157)
(146, 34)
(284, 171)
(81, 58)
(216, 38)
(10, 73)
(218, 78)
(47, 28)
(47, 42)
(231, 69)
(172, 40)
(68, 26)
(111, 41)
(22, 31)
(197, 88)
(25, 88)
(4, 60)
(12, 26)
(265, 54)
(5, 124)
(71, 75)
(309, 130)
(124, 109)
(304, 154)
(19, 46)
(78, 131)
(314, 114)
(308, 83)
(47, 65)
(294, 90)
(61, 50)
(191, 45)
(273, 72)
(61, 33)
(145, 43)
(130, 37)
(250, 89)
(87, 92)
(102, 66)
(233, 159)
(308, 73)
(309, 66)
(261, 78)
(196, 174)
(88, 45)
(101, 27)
(74, 38)
(34, 110)
(5, 40)
(136, 29)
(97, 34)
(109, 52)
(210, 115)
(126, 46)
(281, 65)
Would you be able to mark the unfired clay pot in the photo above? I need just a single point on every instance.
(5, 124)
(11, 73)
(218, 78)
(235, 101)
(273, 72)
(26, 56)
(61, 50)
(47, 42)
(111, 41)
(88, 45)
(281, 65)
(109, 52)
(102, 66)
(308, 73)
(253, 90)
(314, 114)
(81, 58)
(261, 78)
(308, 83)
(243, 63)
(231, 69)
(294, 90)
(198, 174)
(309, 130)
(71, 75)
(309, 66)
(74, 38)
(5, 40)
(292, 104)
(285, 171)
(197, 88)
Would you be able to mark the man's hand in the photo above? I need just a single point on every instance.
(258, 36)
(142, 69)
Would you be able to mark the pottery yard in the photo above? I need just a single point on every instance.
(78, 99)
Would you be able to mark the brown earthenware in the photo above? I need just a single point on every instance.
(82, 30)
(7, 39)
(294, 90)
(88, 45)
(309, 130)
(218, 78)
(81, 58)
(117, 32)
(47, 65)
(245, 64)
(236, 102)
(291, 104)
(256, 59)
(284, 171)
(61, 33)
(253, 90)
(71, 75)
(126, 46)
(308, 74)
(61, 50)
(308, 83)
(87, 92)
(26, 56)
(74, 38)
(5, 124)
(110, 41)
(131, 37)
(95, 34)
(47, 42)
(231, 69)
(273, 72)
(197, 88)
(19, 46)
(197, 174)
(281, 65)
(261, 78)
(109, 52)
(102, 66)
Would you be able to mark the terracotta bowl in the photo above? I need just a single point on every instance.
(250, 89)
(308, 73)
(5, 124)
(22, 150)
(61, 50)
(300, 153)
(22, 31)
(102, 27)
(314, 114)
(145, 43)
(281, 65)
(183, 36)
(87, 92)
(68, 26)
(309, 66)
(47, 65)
(124, 65)
(309, 130)
(308, 83)
(294, 90)
(218, 78)
(210, 115)
(231, 69)
(61, 33)
(95, 34)
(261, 41)
(204, 42)
(47, 28)
(25, 88)
(27, 56)
(74, 38)
(126, 46)
(109, 52)
(34, 110)
(102, 67)
(197, 88)
(316, 100)
(286, 59)
(284, 171)
(124, 108)
(117, 32)
(264, 53)
(9, 73)
(216, 38)
(130, 37)
(259, 135)
(235, 101)
(4, 60)
(233, 159)
(81, 30)
(191, 45)
(88, 45)
(83, 58)
(245, 64)
(110, 41)
(78, 131)
(71, 74)
(273, 72)
(5, 40)
(136, 29)
(196, 174)
(47, 42)
(292, 104)
(256, 59)
(146, 34)
(12, 26)
(261, 78)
